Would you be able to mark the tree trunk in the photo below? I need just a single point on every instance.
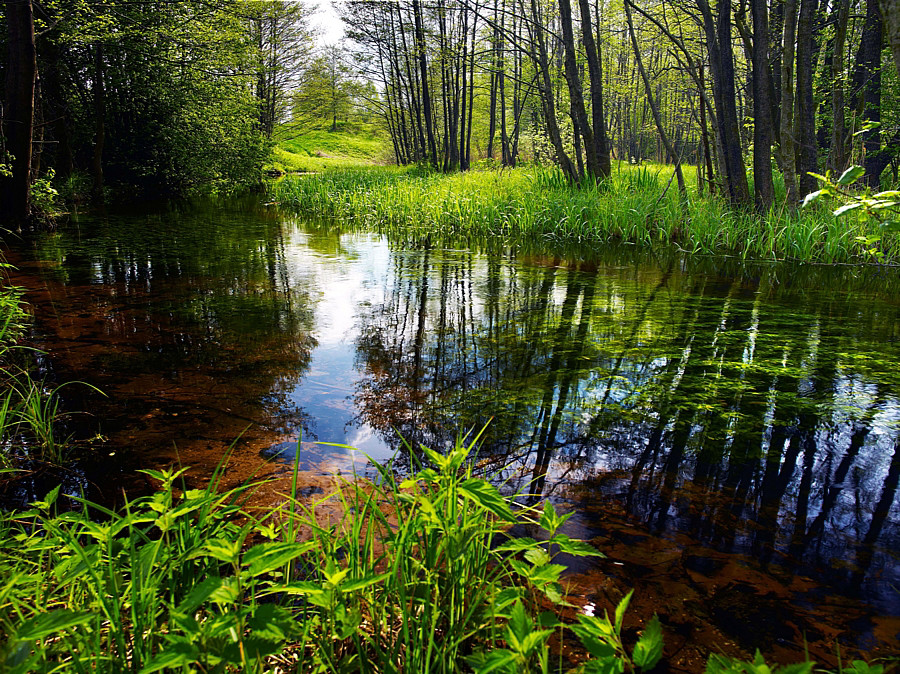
(423, 69)
(547, 95)
(595, 75)
(867, 91)
(840, 156)
(787, 147)
(99, 124)
(576, 96)
(763, 185)
(804, 107)
(890, 12)
(653, 105)
(18, 121)
(721, 63)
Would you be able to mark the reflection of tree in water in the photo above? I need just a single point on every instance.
(198, 309)
(756, 417)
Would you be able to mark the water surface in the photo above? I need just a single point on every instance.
(726, 433)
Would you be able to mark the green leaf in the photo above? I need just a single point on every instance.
(360, 583)
(862, 667)
(218, 548)
(846, 208)
(499, 659)
(45, 624)
(549, 521)
(547, 573)
(801, 668)
(519, 625)
(608, 665)
(266, 557)
(811, 197)
(620, 611)
(890, 194)
(851, 175)
(517, 544)
(177, 653)
(199, 594)
(595, 635)
(574, 547)
(537, 556)
(486, 496)
(648, 650)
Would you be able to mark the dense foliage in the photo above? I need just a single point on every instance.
(129, 94)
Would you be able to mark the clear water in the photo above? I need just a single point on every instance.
(743, 418)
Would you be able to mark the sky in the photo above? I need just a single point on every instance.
(328, 23)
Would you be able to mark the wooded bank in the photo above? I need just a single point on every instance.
(169, 100)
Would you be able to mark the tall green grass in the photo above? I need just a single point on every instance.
(637, 205)
(408, 578)
(30, 412)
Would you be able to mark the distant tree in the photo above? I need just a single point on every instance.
(328, 91)
(282, 33)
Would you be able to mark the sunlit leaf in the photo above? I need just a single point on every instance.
(486, 495)
(847, 208)
(649, 648)
(851, 175)
(811, 197)
(621, 608)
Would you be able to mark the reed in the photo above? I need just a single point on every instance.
(637, 205)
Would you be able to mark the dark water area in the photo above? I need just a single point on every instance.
(728, 434)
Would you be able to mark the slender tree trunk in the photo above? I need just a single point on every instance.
(423, 69)
(804, 109)
(664, 137)
(99, 124)
(867, 90)
(18, 117)
(495, 76)
(595, 75)
(576, 96)
(890, 12)
(840, 157)
(721, 63)
(763, 185)
(547, 95)
(787, 146)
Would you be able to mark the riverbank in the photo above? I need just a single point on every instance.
(639, 205)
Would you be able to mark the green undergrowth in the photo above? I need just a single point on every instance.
(637, 205)
(409, 578)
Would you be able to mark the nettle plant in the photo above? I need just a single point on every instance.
(882, 208)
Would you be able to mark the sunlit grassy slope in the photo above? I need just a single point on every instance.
(320, 149)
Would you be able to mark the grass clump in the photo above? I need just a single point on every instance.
(637, 205)
(408, 578)
(30, 411)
